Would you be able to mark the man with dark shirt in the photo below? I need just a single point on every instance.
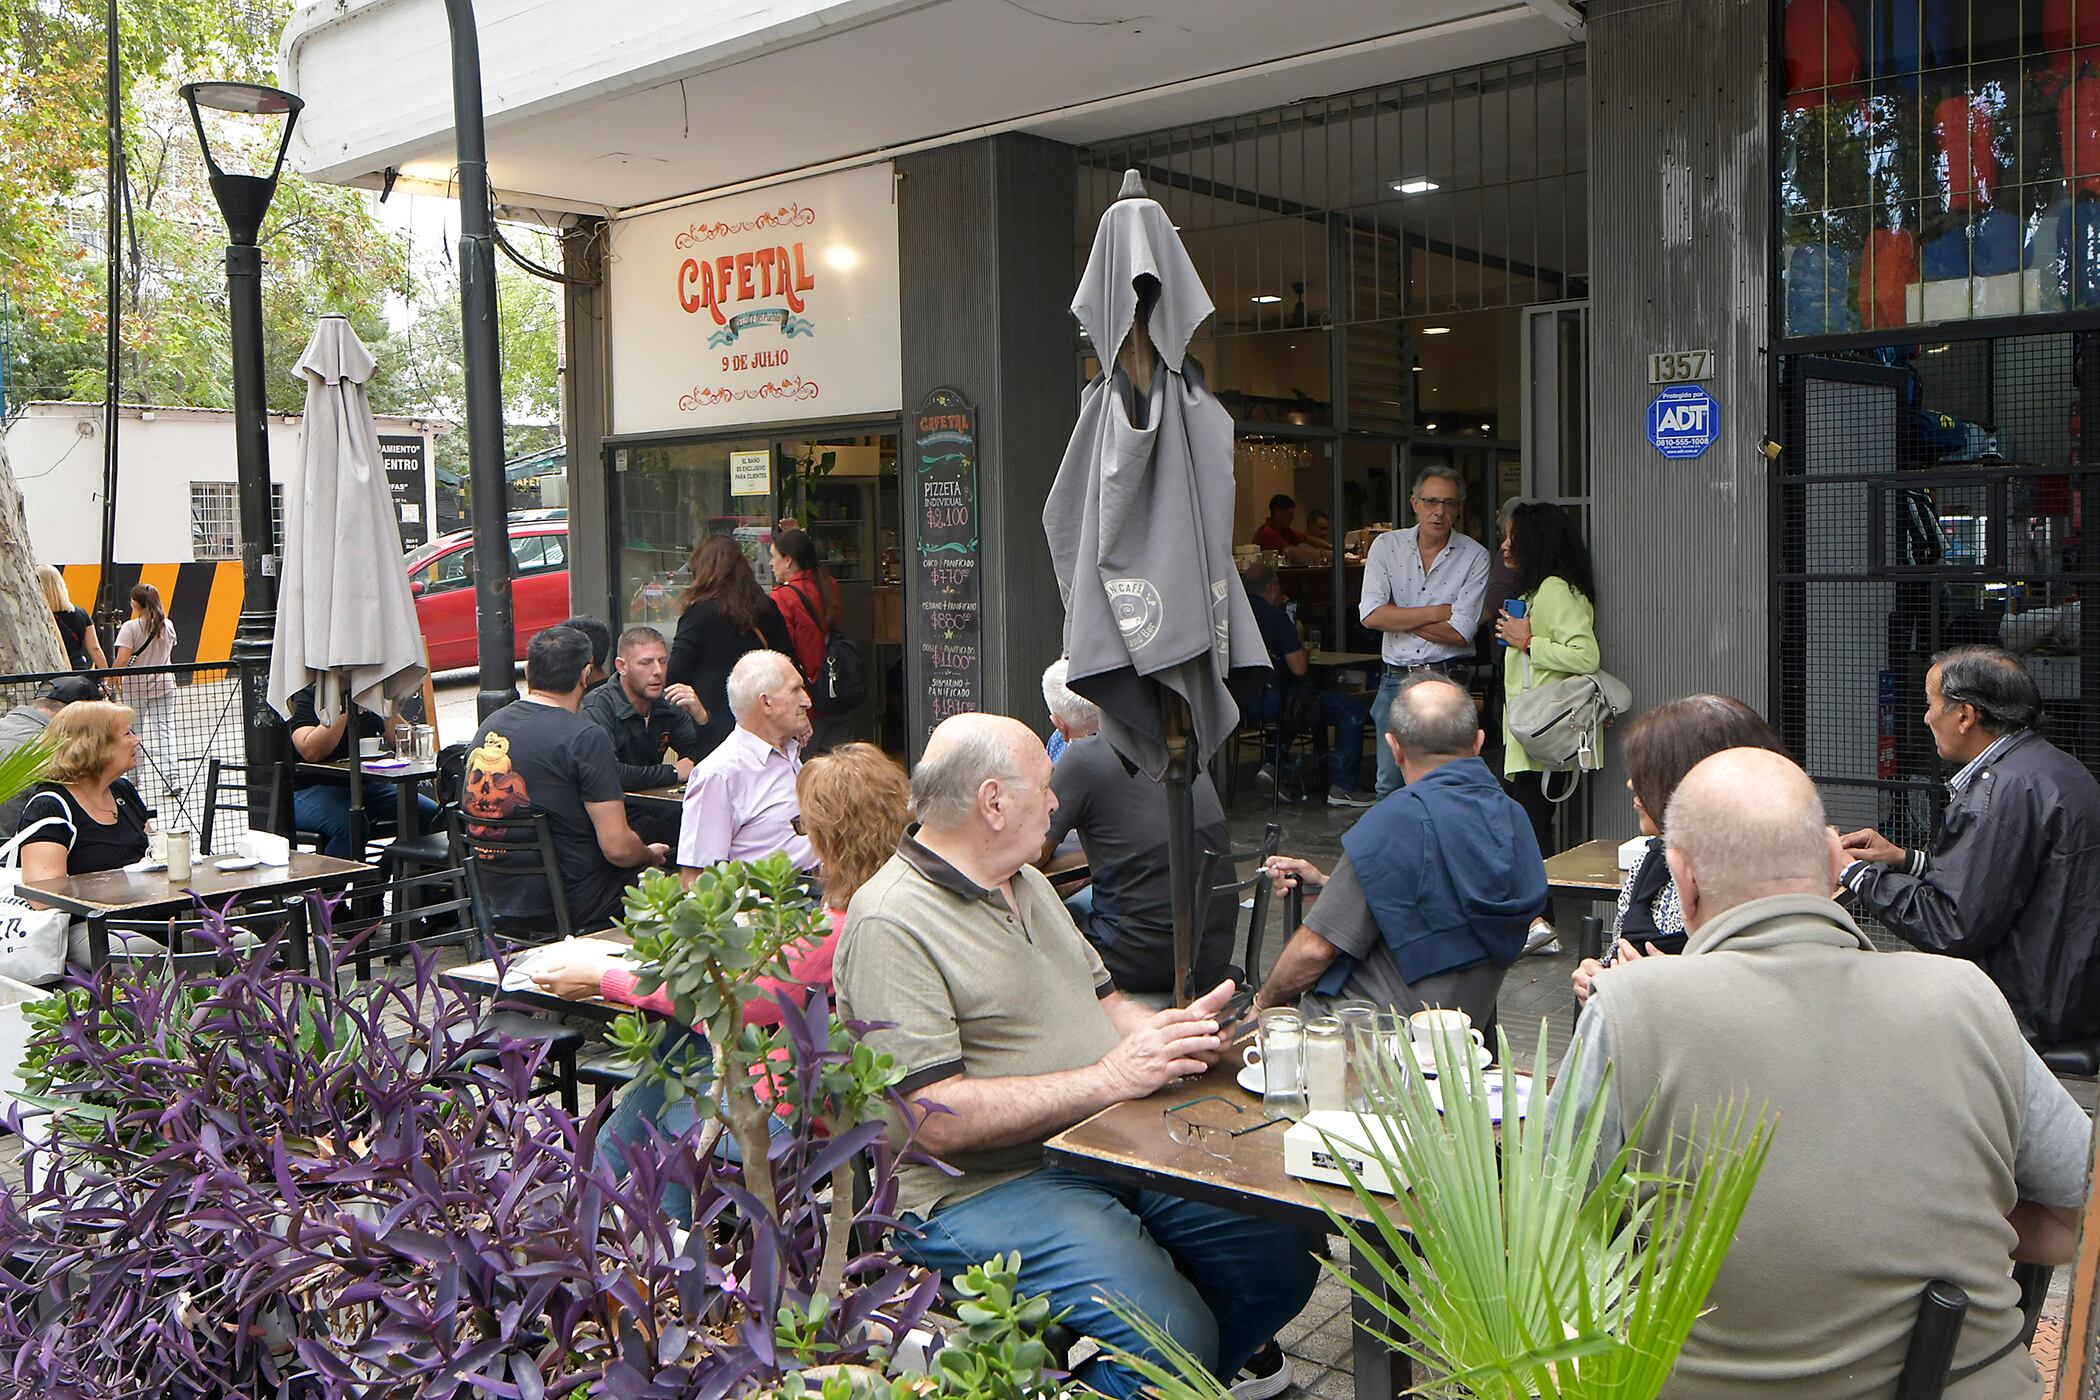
(538, 754)
(1276, 533)
(646, 719)
(1121, 818)
(2011, 881)
(321, 801)
(599, 635)
(1347, 713)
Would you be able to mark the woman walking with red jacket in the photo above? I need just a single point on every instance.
(808, 600)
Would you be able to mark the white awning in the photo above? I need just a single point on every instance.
(606, 105)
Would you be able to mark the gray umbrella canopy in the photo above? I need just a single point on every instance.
(1140, 518)
(346, 622)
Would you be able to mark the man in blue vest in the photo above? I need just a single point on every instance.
(1437, 882)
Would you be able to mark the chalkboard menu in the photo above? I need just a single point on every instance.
(404, 455)
(946, 622)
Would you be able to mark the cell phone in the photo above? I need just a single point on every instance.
(1235, 1011)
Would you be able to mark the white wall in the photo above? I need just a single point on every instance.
(56, 450)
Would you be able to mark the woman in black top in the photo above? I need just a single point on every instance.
(75, 632)
(94, 819)
(726, 614)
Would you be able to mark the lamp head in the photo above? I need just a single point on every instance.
(243, 198)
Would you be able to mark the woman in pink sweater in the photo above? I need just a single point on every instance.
(855, 805)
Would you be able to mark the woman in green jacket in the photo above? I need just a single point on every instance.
(1555, 638)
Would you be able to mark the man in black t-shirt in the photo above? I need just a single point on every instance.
(321, 802)
(538, 754)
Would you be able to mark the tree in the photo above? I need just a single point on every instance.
(28, 640)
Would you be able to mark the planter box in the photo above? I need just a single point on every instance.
(14, 1031)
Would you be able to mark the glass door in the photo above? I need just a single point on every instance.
(1556, 436)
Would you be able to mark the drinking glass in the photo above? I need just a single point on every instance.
(1326, 1065)
(1359, 1041)
(1281, 1053)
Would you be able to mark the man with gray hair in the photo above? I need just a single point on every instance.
(2012, 879)
(1423, 588)
(740, 801)
(1437, 882)
(1000, 1013)
(1121, 819)
(1917, 1137)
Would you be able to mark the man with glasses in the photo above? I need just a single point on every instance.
(1424, 588)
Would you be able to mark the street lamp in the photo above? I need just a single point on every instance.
(243, 201)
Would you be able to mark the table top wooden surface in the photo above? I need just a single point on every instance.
(1128, 1142)
(673, 793)
(1591, 868)
(126, 892)
(480, 979)
(417, 770)
(1345, 658)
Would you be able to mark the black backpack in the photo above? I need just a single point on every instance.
(841, 682)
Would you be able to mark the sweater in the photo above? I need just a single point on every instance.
(1563, 644)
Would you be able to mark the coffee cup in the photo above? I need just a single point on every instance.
(371, 746)
(1435, 1024)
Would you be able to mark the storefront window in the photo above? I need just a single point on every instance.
(1937, 163)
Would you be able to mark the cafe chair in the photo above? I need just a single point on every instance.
(181, 943)
(416, 913)
(434, 849)
(512, 855)
(2074, 1059)
(1589, 943)
(228, 788)
(1942, 1309)
(1236, 874)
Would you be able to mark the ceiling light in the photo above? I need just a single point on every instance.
(1265, 299)
(841, 258)
(1436, 330)
(1483, 427)
(1431, 427)
(1418, 185)
(1418, 369)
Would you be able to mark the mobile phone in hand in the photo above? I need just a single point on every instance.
(1235, 1011)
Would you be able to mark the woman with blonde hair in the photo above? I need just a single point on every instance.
(148, 639)
(75, 633)
(86, 816)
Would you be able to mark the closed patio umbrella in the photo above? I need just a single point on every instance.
(1139, 524)
(346, 622)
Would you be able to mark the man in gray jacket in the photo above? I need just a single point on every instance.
(1916, 1136)
(2012, 882)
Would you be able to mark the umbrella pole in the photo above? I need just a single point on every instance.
(1181, 838)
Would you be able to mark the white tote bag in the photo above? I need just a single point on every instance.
(32, 941)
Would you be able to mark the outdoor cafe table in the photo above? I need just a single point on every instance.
(673, 793)
(480, 979)
(126, 894)
(1589, 871)
(407, 820)
(1128, 1143)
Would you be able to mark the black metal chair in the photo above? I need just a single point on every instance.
(180, 941)
(1234, 874)
(228, 787)
(2074, 1059)
(1942, 1309)
(1274, 744)
(509, 857)
(434, 849)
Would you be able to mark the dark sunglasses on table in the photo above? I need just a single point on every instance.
(1214, 1138)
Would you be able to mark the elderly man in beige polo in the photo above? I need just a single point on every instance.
(1002, 1014)
(1918, 1137)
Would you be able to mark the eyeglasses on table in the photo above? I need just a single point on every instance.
(1214, 1138)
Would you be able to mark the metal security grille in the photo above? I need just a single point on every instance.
(215, 519)
(1930, 496)
(180, 733)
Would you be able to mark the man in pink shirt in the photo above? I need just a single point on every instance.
(740, 801)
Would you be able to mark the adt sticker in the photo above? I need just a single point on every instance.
(1683, 421)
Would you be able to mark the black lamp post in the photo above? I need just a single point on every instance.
(243, 201)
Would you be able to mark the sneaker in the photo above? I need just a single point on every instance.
(1267, 1373)
(1338, 798)
(1265, 776)
(1542, 941)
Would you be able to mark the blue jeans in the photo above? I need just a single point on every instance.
(1388, 767)
(325, 808)
(1346, 713)
(642, 1103)
(1221, 1284)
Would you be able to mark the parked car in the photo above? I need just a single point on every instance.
(441, 575)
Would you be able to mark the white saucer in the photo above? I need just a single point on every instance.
(1497, 1095)
(1252, 1080)
(1482, 1058)
(236, 863)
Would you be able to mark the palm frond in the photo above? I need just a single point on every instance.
(24, 767)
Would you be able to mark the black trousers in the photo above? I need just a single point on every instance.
(1529, 789)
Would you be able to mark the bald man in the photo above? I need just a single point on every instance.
(1002, 1015)
(1916, 1137)
(740, 801)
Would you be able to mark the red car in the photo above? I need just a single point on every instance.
(441, 575)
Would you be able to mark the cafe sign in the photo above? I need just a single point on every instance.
(762, 307)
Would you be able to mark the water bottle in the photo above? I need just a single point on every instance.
(1515, 608)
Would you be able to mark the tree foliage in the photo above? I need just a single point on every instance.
(324, 247)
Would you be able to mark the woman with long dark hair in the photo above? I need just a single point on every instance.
(148, 639)
(808, 599)
(726, 614)
(1555, 638)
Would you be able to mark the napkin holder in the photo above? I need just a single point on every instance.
(1312, 1145)
(1633, 852)
(265, 846)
